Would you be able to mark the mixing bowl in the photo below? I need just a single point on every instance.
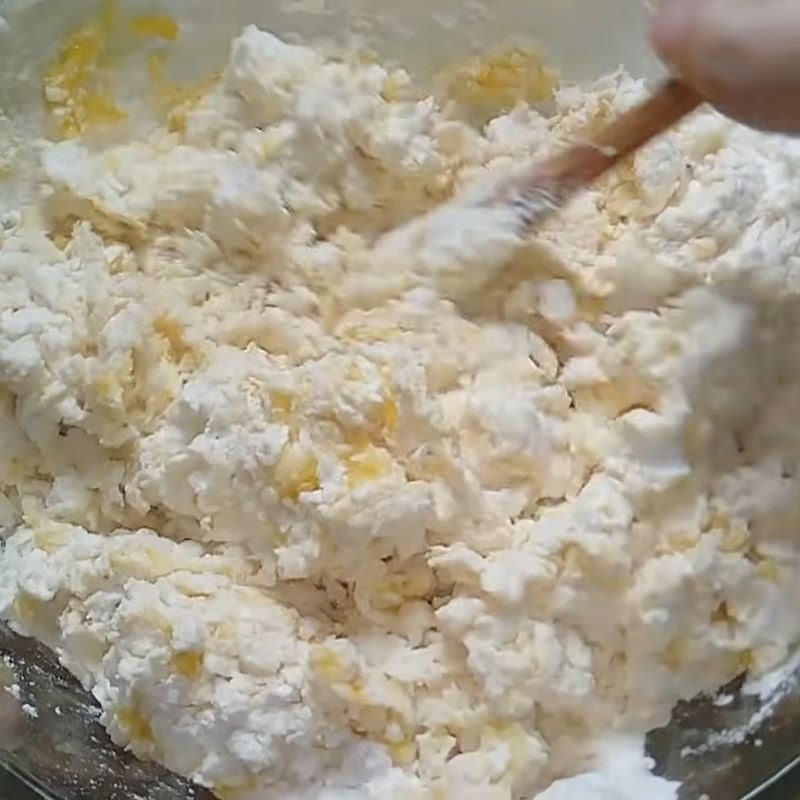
(61, 751)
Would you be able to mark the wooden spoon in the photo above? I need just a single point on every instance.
(460, 245)
(545, 187)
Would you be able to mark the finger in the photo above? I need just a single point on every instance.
(671, 30)
(741, 55)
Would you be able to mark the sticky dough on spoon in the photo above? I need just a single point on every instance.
(459, 247)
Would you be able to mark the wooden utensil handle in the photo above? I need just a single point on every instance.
(667, 106)
(582, 164)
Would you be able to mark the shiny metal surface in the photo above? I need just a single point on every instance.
(63, 753)
(750, 764)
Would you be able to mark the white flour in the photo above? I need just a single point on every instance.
(317, 520)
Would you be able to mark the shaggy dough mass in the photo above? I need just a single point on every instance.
(321, 520)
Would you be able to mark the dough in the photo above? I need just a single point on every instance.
(320, 512)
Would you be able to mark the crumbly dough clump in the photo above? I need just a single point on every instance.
(317, 518)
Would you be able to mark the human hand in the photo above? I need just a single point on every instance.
(743, 56)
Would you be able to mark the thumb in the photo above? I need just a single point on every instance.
(742, 55)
